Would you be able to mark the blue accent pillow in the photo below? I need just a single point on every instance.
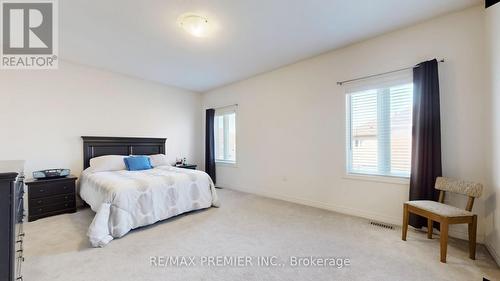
(137, 163)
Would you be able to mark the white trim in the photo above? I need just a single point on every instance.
(376, 178)
(347, 132)
(321, 205)
(463, 235)
(226, 163)
(226, 109)
(223, 111)
(397, 221)
(492, 252)
(372, 84)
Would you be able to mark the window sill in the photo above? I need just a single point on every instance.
(381, 179)
(226, 164)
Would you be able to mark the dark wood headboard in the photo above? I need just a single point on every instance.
(99, 146)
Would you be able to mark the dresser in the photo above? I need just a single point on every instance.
(51, 197)
(11, 220)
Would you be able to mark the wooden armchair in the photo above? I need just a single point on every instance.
(446, 214)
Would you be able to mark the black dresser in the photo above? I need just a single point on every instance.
(11, 230)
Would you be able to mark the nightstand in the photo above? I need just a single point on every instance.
(187, 166)
(51, 197)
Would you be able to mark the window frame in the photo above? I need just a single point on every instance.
(221, 111)
(385, 81)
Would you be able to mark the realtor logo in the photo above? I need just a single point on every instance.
(29, 34)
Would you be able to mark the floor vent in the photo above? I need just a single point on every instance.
(380, 224)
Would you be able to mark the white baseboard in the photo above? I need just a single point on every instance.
(346, 210)
(465, 236)
(322, 205)
(493, 252)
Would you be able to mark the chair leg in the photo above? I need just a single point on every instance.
(405, 221)
(429, 228)
(444, 239)
(472, 237)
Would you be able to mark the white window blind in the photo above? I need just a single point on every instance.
(225, 134)
(379, 124)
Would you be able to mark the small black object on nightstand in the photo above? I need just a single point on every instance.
(51, 197)
(187, 166)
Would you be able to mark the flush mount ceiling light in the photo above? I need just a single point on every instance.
(194, 24)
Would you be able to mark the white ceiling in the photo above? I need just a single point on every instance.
(142, 38)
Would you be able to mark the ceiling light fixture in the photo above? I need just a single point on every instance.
(194, 24)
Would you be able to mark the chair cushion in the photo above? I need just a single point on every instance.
(439, 208)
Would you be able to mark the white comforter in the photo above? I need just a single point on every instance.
(124, 200)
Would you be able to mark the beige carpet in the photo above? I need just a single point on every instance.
(246, 225)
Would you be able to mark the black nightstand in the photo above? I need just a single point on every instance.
(51, 197)
(187, 166)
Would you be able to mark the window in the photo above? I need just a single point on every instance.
(379, 125)
(225, 135)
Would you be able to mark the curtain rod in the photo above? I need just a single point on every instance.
(340, 83)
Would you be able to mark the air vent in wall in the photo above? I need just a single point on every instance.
(380, 224)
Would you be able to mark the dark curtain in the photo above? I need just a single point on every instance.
(210, 143)
(426, 136)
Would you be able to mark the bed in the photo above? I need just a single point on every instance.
(124, 200)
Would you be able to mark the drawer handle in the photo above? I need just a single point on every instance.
(40, 201)
(66, 197)
(21, 234)
(41, 190)
(65, 205)
(65, 187)
(40, 209)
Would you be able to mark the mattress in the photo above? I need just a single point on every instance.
(124, 200)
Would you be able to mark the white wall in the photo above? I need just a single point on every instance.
(291, 121)
(492, 208)
(44, 113)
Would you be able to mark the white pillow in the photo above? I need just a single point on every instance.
(108, 163)
(158, 160)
